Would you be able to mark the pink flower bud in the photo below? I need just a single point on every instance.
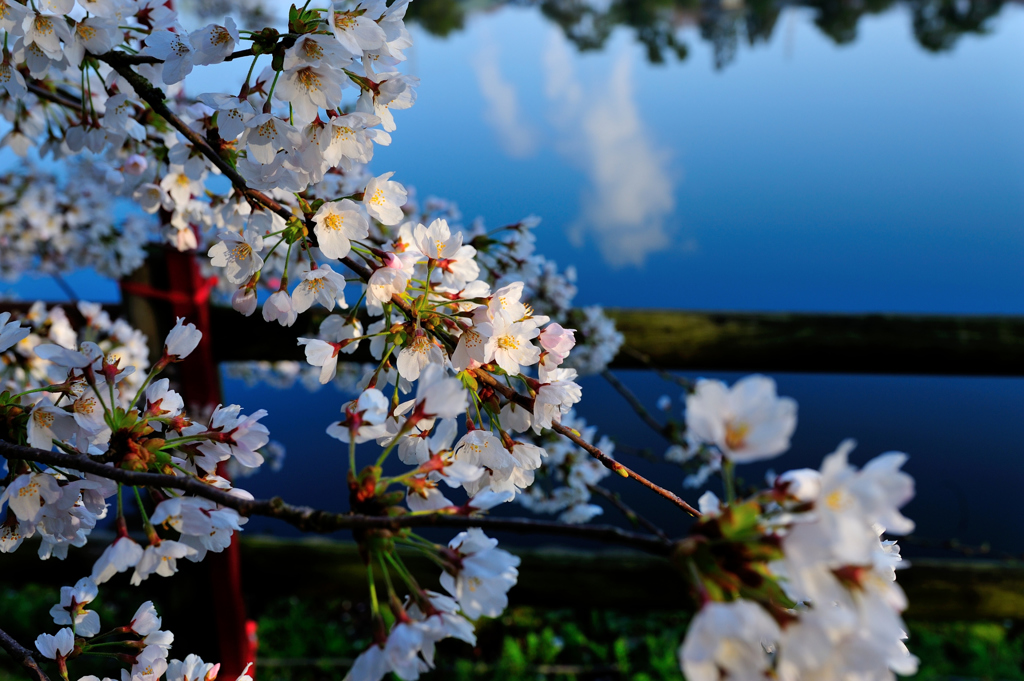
(135, 164)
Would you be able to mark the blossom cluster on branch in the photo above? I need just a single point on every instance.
(476, 347)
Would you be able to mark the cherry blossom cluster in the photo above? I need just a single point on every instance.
(473, 265)
(25, 369)
(141, 643)
(54, 227)
(83, 404)
(325, 51)
(504, 254)
(795, 581)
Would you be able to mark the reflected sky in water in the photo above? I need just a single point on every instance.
(804, 176)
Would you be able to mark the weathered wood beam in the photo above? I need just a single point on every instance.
(741, 341)
(317, 568)
(715, 341)
(822, 343)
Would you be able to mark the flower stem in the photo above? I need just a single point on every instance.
(729, 480)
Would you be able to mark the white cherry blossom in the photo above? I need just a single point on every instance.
(436, 241)
(46, 32)
(232, 113)
(393, 277)
(747, 422)
(177, 53)
(238, 253)
(48, 423)
(338, 223)
(355, 32)
(310, 88)
(728, 641)
(420, 351)
(182, 340)
(384, 198)
(439, 395)
(322, 285)
(122, 554)
(212, 43)
(71, 609)
(56, 647)
(509, 343)
(555, 397)
(279, 308)
(10, 332)
(160, 559)
(483, 576)
(365, 418)
(265, 135)
(321, 354)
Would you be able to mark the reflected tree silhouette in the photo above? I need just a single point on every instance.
(938, 24)
(725, 24)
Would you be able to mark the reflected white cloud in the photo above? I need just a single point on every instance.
(517, 137)
(631, 190)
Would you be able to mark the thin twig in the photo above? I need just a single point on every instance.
(631, 515)
(681, 381)
(58, 98)
(666, 430)
(65, 286)
(607, 461)
(21, 654)
(319, 521)
(624, 471)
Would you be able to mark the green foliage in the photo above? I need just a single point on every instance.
(525, 643)
(528, 644)
(979, 650)
(315, 641)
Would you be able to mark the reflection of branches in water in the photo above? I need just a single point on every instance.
(725, 24)
(838, 19)
(938, 24)
(438, 17)
(589, 24)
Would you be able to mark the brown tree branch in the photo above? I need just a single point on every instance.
(135, 59)
(21, 654)
(319, 521)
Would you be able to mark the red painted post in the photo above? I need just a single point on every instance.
(189, 296)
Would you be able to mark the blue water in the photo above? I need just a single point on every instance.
(872, 176)
(804, 176)
(962, 435)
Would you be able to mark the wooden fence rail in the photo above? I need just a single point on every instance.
(700, 341)
(317, 568)
(739, 341)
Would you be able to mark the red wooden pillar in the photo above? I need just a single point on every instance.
(188, 293)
